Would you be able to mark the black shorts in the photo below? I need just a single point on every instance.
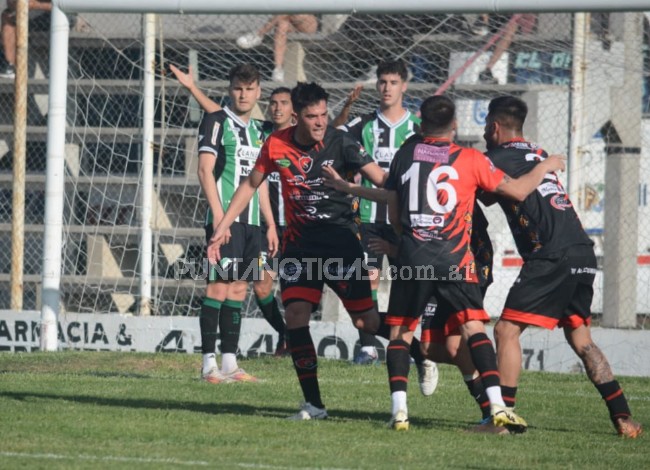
(458, 303)
(383, 231)
(331, 256)
(240, 257)
(554, 291)
(271, 263)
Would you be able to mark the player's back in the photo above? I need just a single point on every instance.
(545, 222)
(436, 181)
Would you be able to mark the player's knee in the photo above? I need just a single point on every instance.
(506, 331)
(368, 321)
(261, 289)
(237, 290)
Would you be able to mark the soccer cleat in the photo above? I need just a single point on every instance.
(428, 377)
(213, 376)
(9, 71)
(365, 358)
(239, 375)
(307, 412)
(399, 421)
(248, 41)
(281, 349)
(506, 417)
(486, 426)
(627, 427)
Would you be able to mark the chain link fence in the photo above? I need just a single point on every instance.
(456, 54)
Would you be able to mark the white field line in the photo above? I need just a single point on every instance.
(109, 458)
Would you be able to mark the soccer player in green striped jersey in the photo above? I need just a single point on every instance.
(281, 115)
(381, 133)
(229, 143)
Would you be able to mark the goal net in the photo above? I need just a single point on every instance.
(452, 54)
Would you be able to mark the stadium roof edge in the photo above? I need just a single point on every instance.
(345, 6)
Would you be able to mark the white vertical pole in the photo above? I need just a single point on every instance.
(146, 189)
(580, 34)
(55, 180)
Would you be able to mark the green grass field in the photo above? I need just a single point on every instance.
(120, 410)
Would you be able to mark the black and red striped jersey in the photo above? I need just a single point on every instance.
(308, 203)
(545, 222)
(436, 181)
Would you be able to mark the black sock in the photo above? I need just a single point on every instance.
(484, 359)
(305, 362)
(230, 325)
(476, 389)
(509, 394)
(271, 311)
(615, 400)
(384, 330)
(398, 363)
(368, 339)
(208, 323)
(416, 351)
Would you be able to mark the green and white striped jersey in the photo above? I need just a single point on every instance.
(381, 139)
(236, 146)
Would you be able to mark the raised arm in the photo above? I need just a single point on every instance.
(187, 80)
(344, 115)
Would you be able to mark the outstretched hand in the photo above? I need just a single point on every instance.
(555, 162)
(332, 179)
(354, 95)
(185, 79)
(219, 238)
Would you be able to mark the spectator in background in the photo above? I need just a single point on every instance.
(39, 20)
(525, 22)
(283, 25)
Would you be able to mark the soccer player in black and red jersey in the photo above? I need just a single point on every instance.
(431, 191)
(321, 244)
(555, 285)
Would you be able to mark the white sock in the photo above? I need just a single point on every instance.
(209, 361)
(494, 394)
(370, 350)
(398, 400)
(228, 363)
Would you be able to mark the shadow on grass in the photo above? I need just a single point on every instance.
(231, 409)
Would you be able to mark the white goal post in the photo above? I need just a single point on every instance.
(53, 236)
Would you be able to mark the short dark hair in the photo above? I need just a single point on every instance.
(397, 66)
(278, 90)
(437, 113)
(244, 73)
(509, 111)
(307, 94)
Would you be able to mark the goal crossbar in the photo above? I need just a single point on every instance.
(344, 6)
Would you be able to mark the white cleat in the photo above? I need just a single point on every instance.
(428, 377)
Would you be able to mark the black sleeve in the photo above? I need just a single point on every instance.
(210, 133)
(354, 155)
